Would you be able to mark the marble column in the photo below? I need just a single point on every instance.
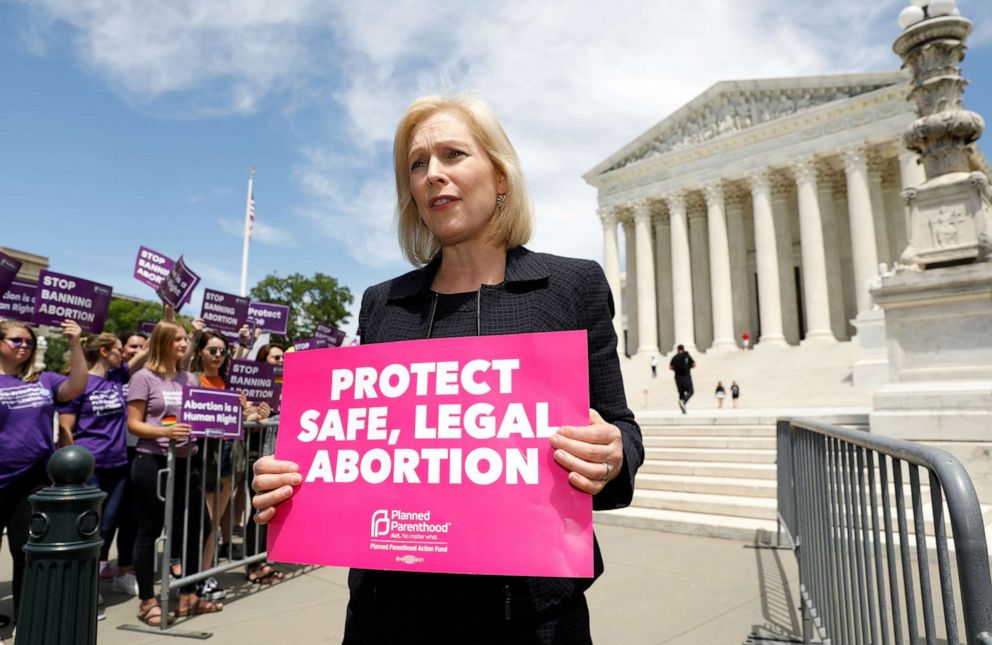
(699, 262)
(630, 307)
(815, 292)
(862, 223)
(647, 314)
(875, 167)
(663, 283)
(782, 212)
(720, 285)
(825, 182)
(611, 266)
(766, 257)
(740, 275)
(681, 272)
(911, 175)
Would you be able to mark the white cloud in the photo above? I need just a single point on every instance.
(573, 82)
(262, 232)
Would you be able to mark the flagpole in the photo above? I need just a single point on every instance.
(247, 234)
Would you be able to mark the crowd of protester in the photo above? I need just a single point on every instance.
(120, 397)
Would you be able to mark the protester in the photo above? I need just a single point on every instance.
(97, 420)
(464, 212)
(27, 419)
(133, 342)
(735, 392)
(721, 394)
(154, 405)
(271, 353)
(681, 364)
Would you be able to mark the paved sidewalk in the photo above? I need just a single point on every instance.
(658, 588)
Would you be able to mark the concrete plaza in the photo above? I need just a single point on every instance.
(658, 588)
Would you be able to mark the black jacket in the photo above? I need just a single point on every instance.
(540, 293)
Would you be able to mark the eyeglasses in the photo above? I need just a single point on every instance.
(276, 357)
(217, 351)
(20, 342)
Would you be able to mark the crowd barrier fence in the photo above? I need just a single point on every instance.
(259, 439)
(864, 554)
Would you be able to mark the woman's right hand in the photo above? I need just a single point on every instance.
(273, 484)
(177, 431)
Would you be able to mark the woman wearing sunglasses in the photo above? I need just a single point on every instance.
(97, 420)
(27, 414)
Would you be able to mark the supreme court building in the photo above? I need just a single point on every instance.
(762, 207)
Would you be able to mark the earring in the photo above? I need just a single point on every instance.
(501, 202)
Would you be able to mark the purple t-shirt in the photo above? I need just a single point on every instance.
(27, 423)
(164, 401)
(101, 418)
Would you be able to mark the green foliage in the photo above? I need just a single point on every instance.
(57, 353)
(124, 315)
(314, 299)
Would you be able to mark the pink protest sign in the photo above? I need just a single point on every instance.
(433, 455)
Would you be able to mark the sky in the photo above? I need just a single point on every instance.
(130, 123)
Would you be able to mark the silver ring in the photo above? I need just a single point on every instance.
(609, 470)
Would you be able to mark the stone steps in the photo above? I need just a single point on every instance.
(762, 456)
(653, 430)
(709, 442)
(708, 504)
(721, 526)
(763, 471)
(719, 485)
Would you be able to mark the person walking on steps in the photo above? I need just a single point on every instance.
(654, 366)
(735, 392)
(721, 394)
(681, 364)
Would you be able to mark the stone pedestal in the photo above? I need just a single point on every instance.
(871, 370)
(950, 220)
(939, 328)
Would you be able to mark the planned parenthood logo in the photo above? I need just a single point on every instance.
(409, 531)
(380, 523)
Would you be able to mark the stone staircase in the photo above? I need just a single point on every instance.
(712, 473)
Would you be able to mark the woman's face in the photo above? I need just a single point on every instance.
(213, 355)
(134, 345)
(274, 357)
(115, 355)
(16, 345)
(452, 180)
(179, 345)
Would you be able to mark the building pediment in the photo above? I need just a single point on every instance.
(730, 107)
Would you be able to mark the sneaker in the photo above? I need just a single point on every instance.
(100, 613)
(682, 405)
(224, 551)
(106, 572)
(125, 583)
(210, 589)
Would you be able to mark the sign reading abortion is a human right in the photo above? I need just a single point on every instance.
(433, 456)
(58, 296)
(177, 287)
(17, 302)
(212, 413)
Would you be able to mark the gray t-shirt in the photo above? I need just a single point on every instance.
(163, 399)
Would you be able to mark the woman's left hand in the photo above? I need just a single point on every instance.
(592, 454)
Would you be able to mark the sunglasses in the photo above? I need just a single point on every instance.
(20, 342)
(217, 351)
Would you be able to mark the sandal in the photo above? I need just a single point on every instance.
(264, 575)
(152, 615)
(200, 606)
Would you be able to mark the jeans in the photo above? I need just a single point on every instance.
(15, 516)
(112, 481)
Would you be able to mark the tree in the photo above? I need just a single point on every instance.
(317, 299)
(123, 315)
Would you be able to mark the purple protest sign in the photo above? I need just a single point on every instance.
(212, 413)
(271, 318)
(178, 285)
(259, 381)
(151, 268)
(8, 271)
(310, 343)
(58, 296)
(330, 333)
(224, 310)
(146, 327)
(17, 302)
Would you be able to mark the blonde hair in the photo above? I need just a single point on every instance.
(93, 345)
(514, 223)
(160, 347)
(26, 372)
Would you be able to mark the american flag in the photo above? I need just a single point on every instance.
(251, 214)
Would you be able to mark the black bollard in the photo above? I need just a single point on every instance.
(59, 596)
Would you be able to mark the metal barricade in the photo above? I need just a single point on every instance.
(865, 552)
(184, 474)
